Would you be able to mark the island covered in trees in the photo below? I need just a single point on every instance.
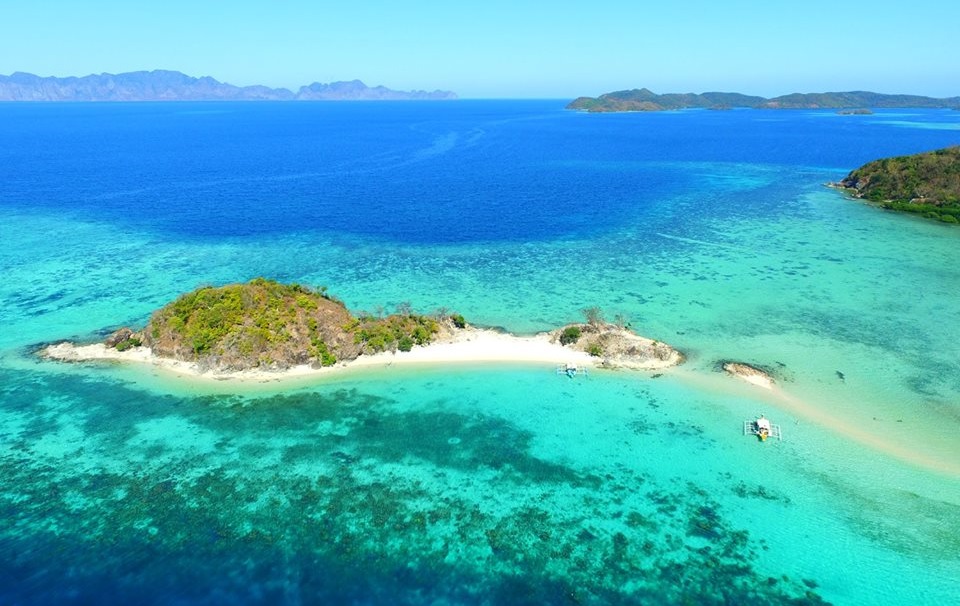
(266, 326)
(927, 184)
(645, 100)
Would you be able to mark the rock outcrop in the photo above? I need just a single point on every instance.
(616, 346)
(749, 373)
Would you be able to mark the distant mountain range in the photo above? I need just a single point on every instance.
(645, 100)
(163, 85)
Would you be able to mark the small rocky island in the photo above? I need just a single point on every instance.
(927, 184)
(749, 373)
(270, 327)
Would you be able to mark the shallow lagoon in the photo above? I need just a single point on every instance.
(709, 230)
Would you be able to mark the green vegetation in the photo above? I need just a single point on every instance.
(570, 335)
(265, 323)
(644, 100)
(128, 343)
(399, 331)
(927, 184)
(458, 321)
(252, 315)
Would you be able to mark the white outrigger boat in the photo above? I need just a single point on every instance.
(762, 428)
(571, 370)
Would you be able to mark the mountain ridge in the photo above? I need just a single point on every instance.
(170, 85)
(644, 99)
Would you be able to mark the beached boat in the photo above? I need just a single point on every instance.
(762, 428)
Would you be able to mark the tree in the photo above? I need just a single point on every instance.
(593, 315)
(570, 335)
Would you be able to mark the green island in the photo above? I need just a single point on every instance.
(645, 100)
(927, 184)
(267, 326)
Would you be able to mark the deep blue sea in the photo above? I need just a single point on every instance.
(481, 484)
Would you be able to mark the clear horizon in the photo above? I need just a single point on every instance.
(502, 50)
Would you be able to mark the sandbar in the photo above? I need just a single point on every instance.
(477, 346)
(470, 345)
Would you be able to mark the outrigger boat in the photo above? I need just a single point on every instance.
(571, 370)
(762, 428)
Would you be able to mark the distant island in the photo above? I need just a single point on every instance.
(644, 100)
(163, 85)
(927, 184)
(264, 330)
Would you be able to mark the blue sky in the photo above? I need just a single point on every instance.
(500, 48)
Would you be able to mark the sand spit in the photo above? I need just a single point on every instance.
(470, 345)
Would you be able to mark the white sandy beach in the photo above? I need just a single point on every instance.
(466, 346)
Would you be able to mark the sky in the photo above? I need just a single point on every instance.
(501, 49)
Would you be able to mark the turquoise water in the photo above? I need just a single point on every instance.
(482, 484)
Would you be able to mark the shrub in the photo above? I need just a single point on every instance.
(570, 335)
(595, 350)
(405, 344)
(127, 344)
(949, 219)
(320, 351)
(458, 321)
(377, 343)
(306, 302)
(421, 334)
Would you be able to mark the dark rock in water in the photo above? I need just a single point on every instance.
(119, 336)
(841, 376)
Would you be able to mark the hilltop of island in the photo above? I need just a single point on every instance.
(164, 85)
(927, 184)
(269, 327)
(645, 100)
